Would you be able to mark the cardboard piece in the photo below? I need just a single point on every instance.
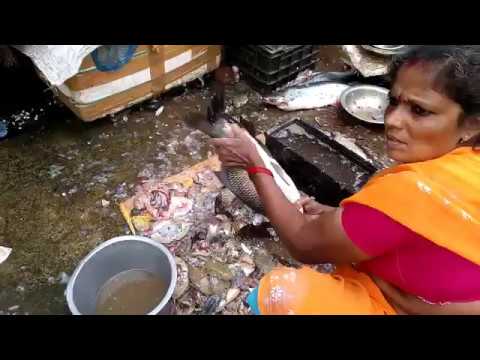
(154, 69)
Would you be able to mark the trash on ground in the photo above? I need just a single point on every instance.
(14, 308)
(366, 63)
(159, 111)
(4, 253)
(182, 278)
(63, 278)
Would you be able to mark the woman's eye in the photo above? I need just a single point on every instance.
(417, 110)
(392, 101)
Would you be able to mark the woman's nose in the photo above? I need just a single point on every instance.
(394, 117)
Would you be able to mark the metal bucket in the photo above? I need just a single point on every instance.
(113, 257)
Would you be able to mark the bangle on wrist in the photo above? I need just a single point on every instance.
(252, 170)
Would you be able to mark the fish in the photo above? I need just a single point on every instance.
(218, 124)
(309, 77)
(308, 96)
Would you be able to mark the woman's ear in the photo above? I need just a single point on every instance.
(470, 129)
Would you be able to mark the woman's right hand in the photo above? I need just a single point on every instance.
(239, 150)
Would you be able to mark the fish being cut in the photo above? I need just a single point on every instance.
(217, 124)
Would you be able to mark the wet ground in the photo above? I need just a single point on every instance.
(61, 183)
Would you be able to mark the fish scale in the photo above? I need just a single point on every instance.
(238, 182)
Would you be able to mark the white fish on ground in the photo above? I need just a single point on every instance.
(4, 253)
(307, 97)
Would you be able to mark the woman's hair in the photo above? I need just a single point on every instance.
(457, 71)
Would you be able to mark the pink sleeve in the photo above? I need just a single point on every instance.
(374, 232)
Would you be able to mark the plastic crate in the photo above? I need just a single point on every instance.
(276, 49)
(270, 66)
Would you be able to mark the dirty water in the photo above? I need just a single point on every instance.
(61, 184)
(132, 292)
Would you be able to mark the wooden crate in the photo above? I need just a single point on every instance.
(154, 69)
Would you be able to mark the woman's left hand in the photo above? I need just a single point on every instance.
(238, 150)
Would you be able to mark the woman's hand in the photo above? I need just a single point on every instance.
(238, 150)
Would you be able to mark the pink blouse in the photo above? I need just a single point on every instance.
(409, 261)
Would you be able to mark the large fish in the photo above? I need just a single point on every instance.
(309, 77)
(217, 124)
(307, 97)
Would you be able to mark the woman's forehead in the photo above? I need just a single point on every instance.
(419, 84)
(418, 75)
(419, 81)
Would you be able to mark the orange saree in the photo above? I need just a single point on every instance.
(438, 199)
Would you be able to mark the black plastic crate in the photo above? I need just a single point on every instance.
(275, 49)
(270, 66)
(270, 59)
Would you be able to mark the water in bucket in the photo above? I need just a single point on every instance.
(132, 292)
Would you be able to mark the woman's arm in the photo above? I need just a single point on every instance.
(311, 239)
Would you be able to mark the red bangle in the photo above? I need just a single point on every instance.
(258, 170)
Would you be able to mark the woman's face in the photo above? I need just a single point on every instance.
(420, 123)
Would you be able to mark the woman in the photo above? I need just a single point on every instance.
(412, 231)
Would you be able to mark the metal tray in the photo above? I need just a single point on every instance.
(366, 103)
